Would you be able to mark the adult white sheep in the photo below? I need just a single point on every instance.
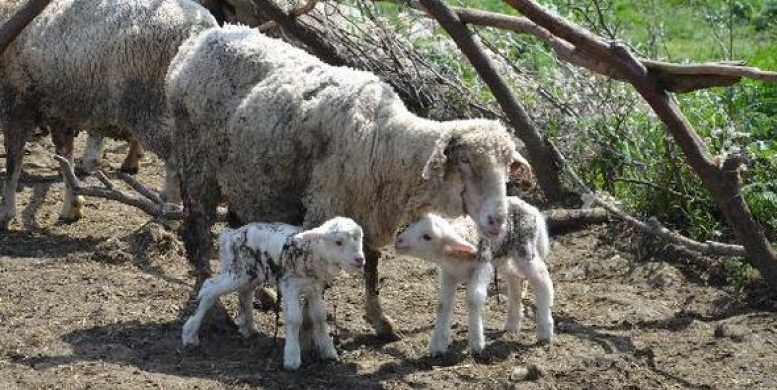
(300, 263)
(281, 136)
(92, 64)
(465, 256)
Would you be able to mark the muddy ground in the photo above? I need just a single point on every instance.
(96, 304)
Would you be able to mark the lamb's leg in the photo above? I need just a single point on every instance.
(72, 205)
(292, 319)
(442, 326)
(15, 136)
(211, 290)
(172, 188)
(245, 317)
(382, 324)
(515, 294)
(324, 343)
(92, 154)
(537, 273)
(132, 160)
(477, 292)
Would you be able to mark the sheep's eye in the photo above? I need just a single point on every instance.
(338, 243)
(426, 237)
(464, 159)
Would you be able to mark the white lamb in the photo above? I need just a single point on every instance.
(463, 256)
(300, 262)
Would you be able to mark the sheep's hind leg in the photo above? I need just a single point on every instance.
(245, 318)
(200, 201)
(132, 160)
(382, 324)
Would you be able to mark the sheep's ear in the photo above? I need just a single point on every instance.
(518, 162)
(308, 236)
(458, 247)
(435, 166)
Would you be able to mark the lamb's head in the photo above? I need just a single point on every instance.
(475, 161)
(337, 241)
(433, 237)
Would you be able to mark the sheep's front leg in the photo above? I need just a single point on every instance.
(14, 139)
(72, 205)
(442, 325)
(382, 324)
(477, 292)
(92, 154)
(324, 343)
(292, 318)
(537, 273)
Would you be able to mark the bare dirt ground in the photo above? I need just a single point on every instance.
(96, 304)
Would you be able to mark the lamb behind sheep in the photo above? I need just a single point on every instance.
(522, 253)
(300, 262)
(97, 65)
(299, 141)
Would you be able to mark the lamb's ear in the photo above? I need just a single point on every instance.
(518, 162)
(435, 166)
(458, 247)
(308, 236)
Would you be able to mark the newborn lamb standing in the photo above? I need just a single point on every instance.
(463, 256)
(300, 262)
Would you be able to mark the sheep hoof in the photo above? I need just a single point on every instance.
(129, 170)
(389, 337)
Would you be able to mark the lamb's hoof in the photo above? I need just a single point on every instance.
(129, 170)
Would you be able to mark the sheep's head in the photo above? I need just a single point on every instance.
(475, 161)
(431, 238)
(337, 241)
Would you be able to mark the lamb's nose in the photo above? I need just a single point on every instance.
(495, 220)
(359, 261)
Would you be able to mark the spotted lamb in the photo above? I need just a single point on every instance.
(300, 262)
(464, 256)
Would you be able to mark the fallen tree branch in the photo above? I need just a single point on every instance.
(14, 25)
(297, 12)
(653, 226)
(723, 185)
(679, 78)
(148, 201)
(561, 219)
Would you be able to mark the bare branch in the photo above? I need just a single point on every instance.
(679, 78)
(19, 20)
(149, 202)
(295, 13)
(653, 226)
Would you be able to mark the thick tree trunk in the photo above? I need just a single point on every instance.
(544, 167)
(19, 20)
(723, 184)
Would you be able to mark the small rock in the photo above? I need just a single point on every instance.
(737, 333)
(530, 372)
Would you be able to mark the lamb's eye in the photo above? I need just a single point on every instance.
(338, 243)
(464, 159)
(426, 237)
